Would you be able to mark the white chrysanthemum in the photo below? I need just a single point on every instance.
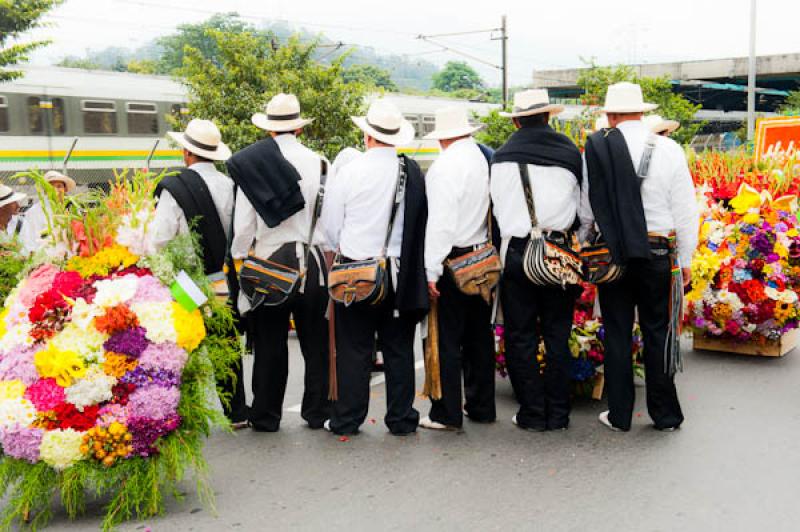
(61, 448)
(156, 318)
(731, 298)
(93, 388)
(16, 411)
(132, 233)
(84, 313)
(87, 342)
(111, 292)
(16, 336)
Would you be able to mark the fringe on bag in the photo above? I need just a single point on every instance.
(673, 360)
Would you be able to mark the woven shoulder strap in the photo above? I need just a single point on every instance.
(526, 187)
(399, 192)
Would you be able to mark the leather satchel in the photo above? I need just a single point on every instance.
(276, 280)
(477, 272)
(366, 281)
(549, 258)
(598, 262)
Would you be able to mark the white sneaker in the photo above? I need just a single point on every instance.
(603, 418)
(428, 423)
(327, 425)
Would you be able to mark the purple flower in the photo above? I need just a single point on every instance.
(147, 431)
(761, 243)
(772, 257)
(150, 290)
(781, 227)
(130, 342)
(141, 376)
(21, 442)
(18, 364)
(154, 402)
(165, 355)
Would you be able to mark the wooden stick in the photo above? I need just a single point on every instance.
(433, 381)
(333, 383)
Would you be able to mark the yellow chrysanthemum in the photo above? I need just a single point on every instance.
(11, 389)
(63, 366)
(189, 326)
(3, 316)
(103, 262)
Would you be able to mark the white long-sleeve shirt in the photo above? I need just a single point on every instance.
(34, 222)
(457, 187)
(668, 194)
(249, 230)
(170, 221)
(555, 197)
(358, 201)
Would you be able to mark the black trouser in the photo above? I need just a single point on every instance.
(646, 287)
(532, 312)
(466, 342)
(270, 329)
(356, 327)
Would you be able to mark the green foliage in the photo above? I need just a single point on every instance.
(79, 62)
(595, 81)
(457, 75)
(369, 75)
(497, 129)
(17, 17)
(11, 265)
(791, 106)
(142, 66)
(247, 73)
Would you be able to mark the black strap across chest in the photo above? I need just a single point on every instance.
(194, 198)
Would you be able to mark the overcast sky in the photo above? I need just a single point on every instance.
(542, 35)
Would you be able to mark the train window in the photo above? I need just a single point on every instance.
(142, 118)
(428, 124)
(35, 115)
(99, 116)
(59, 116)
(414, 121)
(3, 114)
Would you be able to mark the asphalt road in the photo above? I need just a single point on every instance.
(734, 466)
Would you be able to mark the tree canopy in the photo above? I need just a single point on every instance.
(246, 72)
(17, 17)
(595, 81)
(370, 75)
(457, 75)
(791, 106)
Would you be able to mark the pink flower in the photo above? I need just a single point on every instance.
(153, 402)
(167, 356)
(45, 394)
(38, 282)
(18, 364)
(151, 290)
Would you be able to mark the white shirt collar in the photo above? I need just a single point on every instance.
(461, 142)
(286, 139)
(382, 152)
(631, 125)
(198, 167)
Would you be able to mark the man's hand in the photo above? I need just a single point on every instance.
(687, 275)
(433, 292)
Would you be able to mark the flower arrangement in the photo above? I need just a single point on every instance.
(104, 377)
(585, 344)
(746, 272)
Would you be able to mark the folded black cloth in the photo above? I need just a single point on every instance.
(412, 286)
(268, 180)
(543, 146)
(614, 193)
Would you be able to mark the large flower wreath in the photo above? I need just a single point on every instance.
(105, 379)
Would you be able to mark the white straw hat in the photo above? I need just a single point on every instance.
(532, 102)
(7, 195)
(202, 137)
(658, 125)
(385, 122)
(626, 97)
(282, 114)
(452, 122)
(52, 176)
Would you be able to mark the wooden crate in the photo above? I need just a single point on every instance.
(772, 348)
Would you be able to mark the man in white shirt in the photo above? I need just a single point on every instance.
(642, 199)
(288, 244)
(356, 218)
(34, 220)
(203, 194)
(457, 187)
(533, 312)
(9, 207)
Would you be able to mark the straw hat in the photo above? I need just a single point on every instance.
(451, 122)
(281, 115)
(532, 102)
(8, 196)
(57, 177)
(385, 122)
(626, 97)
(202, 137)
(658, 125)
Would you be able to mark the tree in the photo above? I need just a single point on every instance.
(246, 72)
(791, 105)
(17, 17)
(369, 75)
(457, 75)
(199, 37)
(498, 129)
(595, 81)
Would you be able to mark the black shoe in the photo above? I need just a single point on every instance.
(531, 429)
(261, 428)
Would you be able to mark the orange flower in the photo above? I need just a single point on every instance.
(117, 364)
(117, 318)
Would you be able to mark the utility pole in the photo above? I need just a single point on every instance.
(751, 76)
(504, 41)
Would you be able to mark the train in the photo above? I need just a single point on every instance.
(114, 120)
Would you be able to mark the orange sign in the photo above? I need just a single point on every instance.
(778, 135)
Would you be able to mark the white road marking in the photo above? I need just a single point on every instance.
(379, 379)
